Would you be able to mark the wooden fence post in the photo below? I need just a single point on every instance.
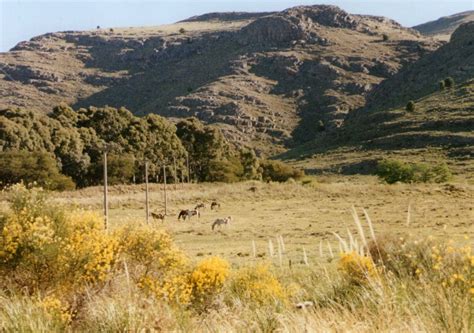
(147, 207)
(106, 202)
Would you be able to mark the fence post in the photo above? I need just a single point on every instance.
(164, 188)
(175, 174)
(106, 202)
(187, 166)
(147, 207)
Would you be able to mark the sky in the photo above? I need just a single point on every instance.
(20, 20)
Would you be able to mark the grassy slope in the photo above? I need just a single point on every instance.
(439, 129)
(443, 27)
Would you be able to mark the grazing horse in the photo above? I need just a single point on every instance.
(215, 204)
(188, 213)
(198, 206)
(158, 216)
(220, 222)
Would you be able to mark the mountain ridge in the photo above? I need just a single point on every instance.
(268, 81)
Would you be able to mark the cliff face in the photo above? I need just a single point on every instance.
(267, 80)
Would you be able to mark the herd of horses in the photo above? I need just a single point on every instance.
(187, 214)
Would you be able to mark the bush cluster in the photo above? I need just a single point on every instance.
(46, 250)
(279, 171)
(65, 148)
(392, 171)
(257, 285)
(31, 167)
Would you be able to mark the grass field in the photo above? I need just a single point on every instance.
(303, 215)
(61, 272)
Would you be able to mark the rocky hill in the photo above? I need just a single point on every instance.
(443, 27)
(268, 80)
(440, 127)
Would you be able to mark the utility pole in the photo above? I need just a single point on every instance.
(106, 202)
(147, 207)
(175, 173)
(164, 189)
(187, 165)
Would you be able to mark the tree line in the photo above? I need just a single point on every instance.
(64, 149)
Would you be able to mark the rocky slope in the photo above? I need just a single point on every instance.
(443, 27)
(268, 80)
(439, 129)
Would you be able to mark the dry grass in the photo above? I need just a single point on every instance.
(303, 215)
(382, 292)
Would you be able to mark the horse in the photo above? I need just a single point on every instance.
(158, 216)
(188, 213)
(198, 206)
(220, 222)
(215, 204)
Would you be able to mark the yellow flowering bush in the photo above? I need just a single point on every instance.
(56, 310)
(357, 268)
(87, 254)
(149, 251)
(43, 247)
(207, 279)
(257, 284)
(155, 263)
(183, 286)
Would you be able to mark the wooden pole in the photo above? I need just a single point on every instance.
(175, 173)
(147, 207)
(187, 165)
(106, 202)
(164, 188)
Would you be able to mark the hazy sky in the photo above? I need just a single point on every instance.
(20, 20)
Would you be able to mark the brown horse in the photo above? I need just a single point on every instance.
(187, 214)
(158, 216)
(220, 222)
(198, 206)
(215, 205)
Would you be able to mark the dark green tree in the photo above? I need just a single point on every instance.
(32, 167)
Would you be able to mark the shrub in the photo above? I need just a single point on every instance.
(449, 82)
(410, 107)
(257, 285)
(392, 171)
(44, 248)
(385, 37)
(227, 171)
(182, 30)
(32, 167)
(441, 85)
(279, 171)
(149, 251)
(207, 279)
(356, 268)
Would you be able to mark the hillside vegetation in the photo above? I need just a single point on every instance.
(37, 148)
(438, 128)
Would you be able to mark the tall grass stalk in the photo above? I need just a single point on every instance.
(271, 251)
(359, 226)
(305, 257)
